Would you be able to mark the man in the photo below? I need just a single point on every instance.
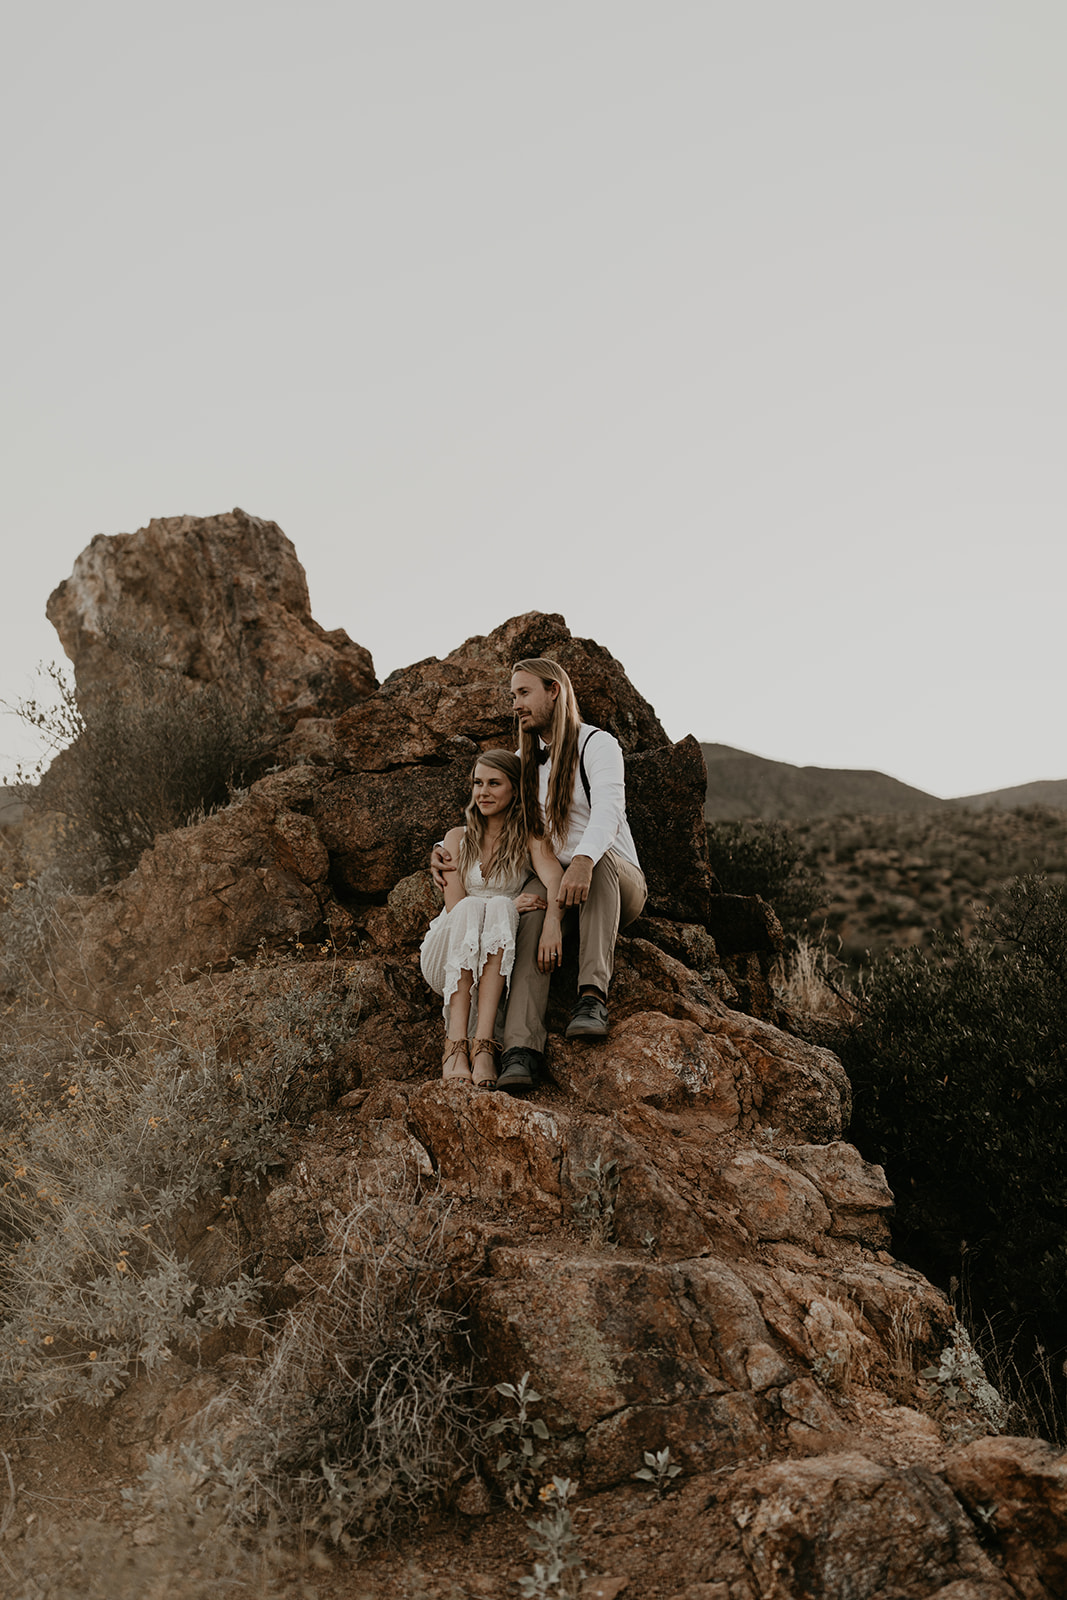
(573, 786)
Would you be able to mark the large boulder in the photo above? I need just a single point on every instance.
(440, 713)
(221, 600)
(251, 875)
(420, 710)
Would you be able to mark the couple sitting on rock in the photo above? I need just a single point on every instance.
(545, 832)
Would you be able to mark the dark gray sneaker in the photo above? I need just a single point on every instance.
(518, 1070)
(589, 1019)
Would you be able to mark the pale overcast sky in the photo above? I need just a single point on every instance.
(736, 332)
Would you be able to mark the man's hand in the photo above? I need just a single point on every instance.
(530, 902)
(440, 863)
(574, 888)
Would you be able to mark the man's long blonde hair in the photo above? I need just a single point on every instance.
(563, 739)
(512, 854)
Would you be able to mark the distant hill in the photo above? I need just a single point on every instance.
(1047, 792)
(742, 786)
(897, 866)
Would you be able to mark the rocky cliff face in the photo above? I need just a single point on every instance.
(220, 599)
(728, 1292)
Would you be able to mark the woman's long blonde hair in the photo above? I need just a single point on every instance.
(563, 738)
(512, 854)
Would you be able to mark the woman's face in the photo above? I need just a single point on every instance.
(492, 790)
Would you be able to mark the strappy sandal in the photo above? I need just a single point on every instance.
(453, 1070)
(481, 1079)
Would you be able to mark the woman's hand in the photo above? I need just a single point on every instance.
(550, 949)
(530, 902)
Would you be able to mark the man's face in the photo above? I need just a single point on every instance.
(533, 702)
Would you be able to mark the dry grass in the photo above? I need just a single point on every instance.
(358, 1416)
(811, 982)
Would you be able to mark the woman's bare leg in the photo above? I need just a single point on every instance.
(455, 1067)
(490, 990)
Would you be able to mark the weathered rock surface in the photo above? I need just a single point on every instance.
(1017, 1489)
(420, 709)
(253, 873)
(310, 846)
(222, 600)
(671, 1236)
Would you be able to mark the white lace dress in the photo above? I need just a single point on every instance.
(463, 939)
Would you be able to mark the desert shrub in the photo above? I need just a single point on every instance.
(104, 1165)
(359, 1415)
(138, 762)
(110, 1142)
(959, 1066)
(767, 859)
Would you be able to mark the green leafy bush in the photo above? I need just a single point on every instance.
(518, 1467)
(767, 859)
(559, 1576)
(959, 1066)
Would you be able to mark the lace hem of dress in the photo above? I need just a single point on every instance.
(471, 957)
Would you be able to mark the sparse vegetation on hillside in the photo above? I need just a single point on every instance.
(904, 880)
(136, 1156)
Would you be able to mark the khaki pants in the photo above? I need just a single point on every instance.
(617, 895)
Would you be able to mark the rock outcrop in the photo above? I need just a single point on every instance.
(673, 1236)
(309, 848)
(219, 599)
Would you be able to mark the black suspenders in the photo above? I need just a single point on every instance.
(581, 766)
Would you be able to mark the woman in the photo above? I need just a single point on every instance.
(469, 950)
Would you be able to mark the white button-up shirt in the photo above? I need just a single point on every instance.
(597, 824)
